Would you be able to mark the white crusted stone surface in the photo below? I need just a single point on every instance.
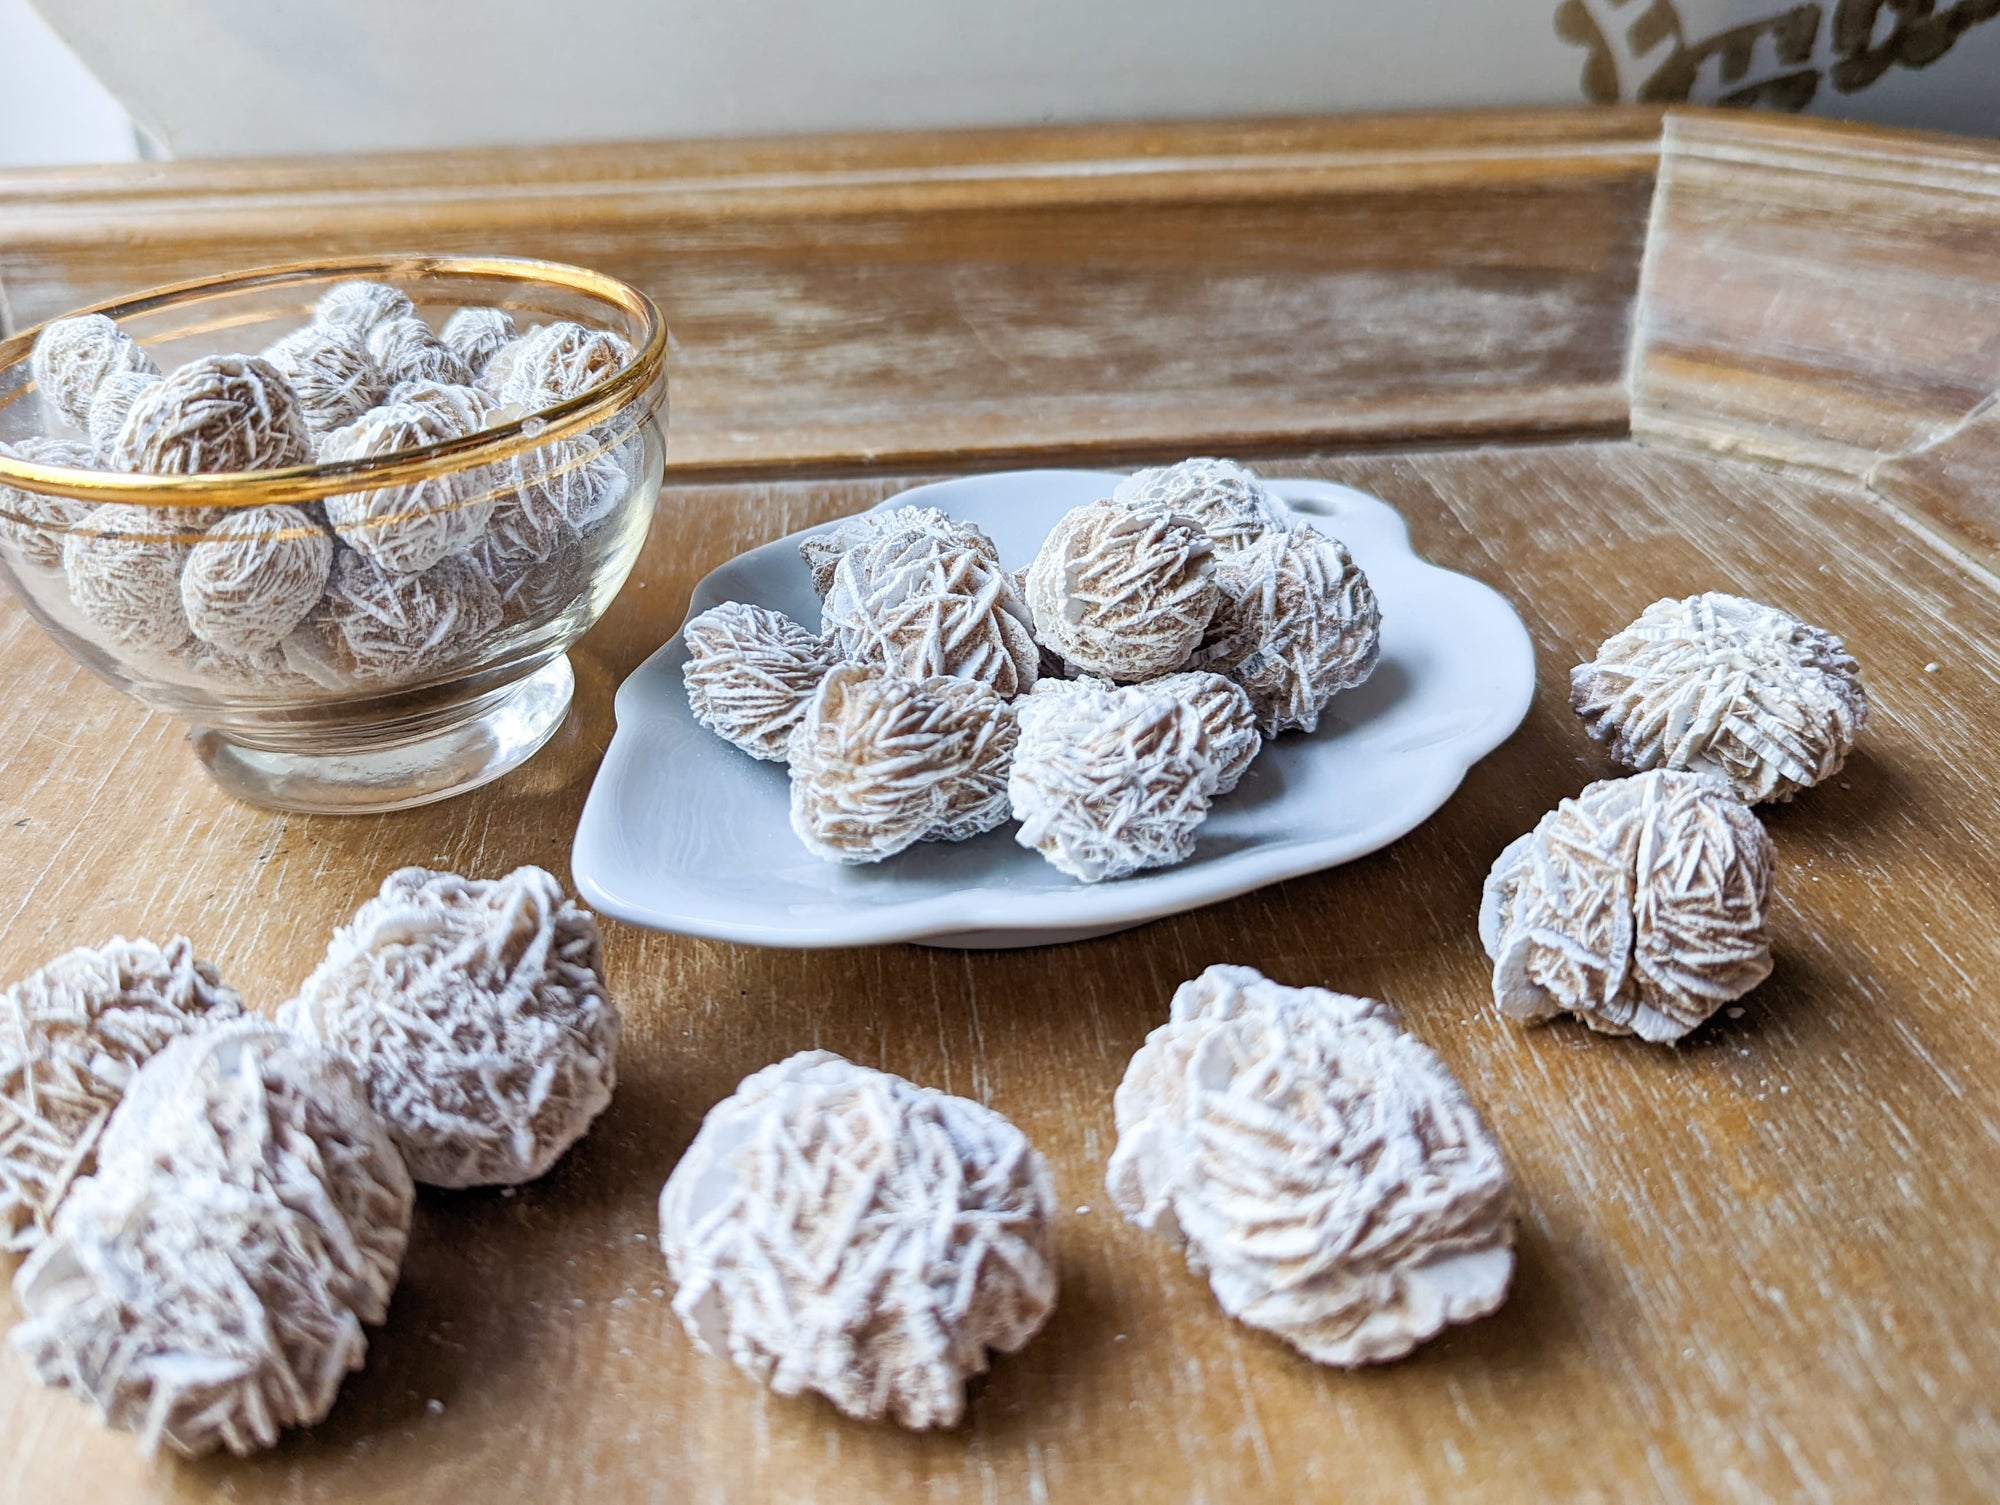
(245, 675)
(580, 481)
(123, 565)
(218, 414)
(499, 367)
(1232, 505)
(373, 628)
(475, 1011)
(196, 1317)
(1107, 781)
(823, 552)
(1297, 623)
(112, 406)
(559, 361)
(749, 674)
(918, 605)
(1319, 1164)
(475, 335)
(459, 410)
(73, 357)
(331, 373)
(360, 306)
(33, 523)
(974, 799)
(409, 527)
(1122, 592)
(841, 1231)
(260, 1108)
(253, 576)
(72, 1035)
(1638, 906)
(405, 348)
(1226, 715)
(537, 563)
(1725, 686)
(879, 763)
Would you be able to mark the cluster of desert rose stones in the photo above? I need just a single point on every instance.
(1639, 906)
(837, 1230)
(367, 590)
(1104, 697)
(213, 1205)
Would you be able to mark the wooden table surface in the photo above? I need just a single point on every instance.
(1759, 1266)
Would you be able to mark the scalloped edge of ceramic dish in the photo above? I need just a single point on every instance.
(683, 833)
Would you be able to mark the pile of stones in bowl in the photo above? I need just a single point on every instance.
(1104, 697)
(376, 587)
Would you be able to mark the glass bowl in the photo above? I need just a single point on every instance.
(398, 686)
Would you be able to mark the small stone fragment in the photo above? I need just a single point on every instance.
(33, 523)
(404, 349)
(71, 1037)
(560, 361)
(1107, 781)
(360, 306)
(823, 552)
(331, 373)
(1319, 1164)
(373, 628)
(1728, 687)
(841, 1231)
(475, 1011)
(124, 565)
(1226, 716)
(218, 414)
(1123, 593)
(1232, 505)
(749, 674)
(1297, 623)
(112, 406)
(73, 357)
(475, 335)
(253, 576)
(410, 527)
(1638, 906)
(918, 605)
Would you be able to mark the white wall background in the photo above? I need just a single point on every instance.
(237, 77)
(51, 109)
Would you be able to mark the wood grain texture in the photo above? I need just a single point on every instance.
(1815, 295)
(1951, 484)
(959, 297)
(1757, 1267)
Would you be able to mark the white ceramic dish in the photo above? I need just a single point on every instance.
(684, 833)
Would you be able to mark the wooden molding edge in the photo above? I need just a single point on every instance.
(905, 301)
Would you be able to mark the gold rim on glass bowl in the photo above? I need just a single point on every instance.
(308, 483)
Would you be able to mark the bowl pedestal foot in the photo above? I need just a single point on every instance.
(396, 775)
